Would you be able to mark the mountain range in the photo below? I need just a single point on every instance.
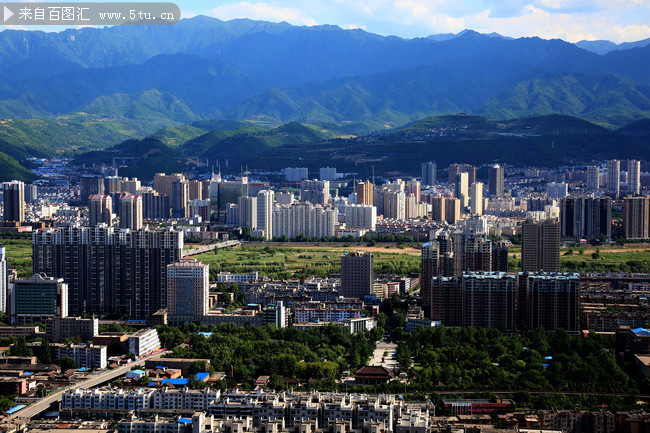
(204, 68)
(549, 141)
(85, 89)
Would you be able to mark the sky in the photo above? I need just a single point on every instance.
(571, 20)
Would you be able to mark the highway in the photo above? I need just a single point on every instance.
(43, 405)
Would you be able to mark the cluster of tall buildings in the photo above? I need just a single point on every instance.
(507, 301)
(464, 280)
(109, 270)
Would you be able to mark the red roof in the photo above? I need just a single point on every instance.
(374, 372)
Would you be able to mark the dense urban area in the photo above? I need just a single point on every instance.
(214, 224)
(485, 298)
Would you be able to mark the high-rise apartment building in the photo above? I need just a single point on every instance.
(489, 300)
(188, 289)
(495, 180)
(195, 188)
(90, 185)
(13, 194)
(557, 190)
(636, 217)
(131, 211)
(31, 193)
(4, 280)
(445, 209)
(365, 192)
(633, 177)
(357, 275)
(248, 212)
(394, 204)
(304, 219)
(200, 208)
(454, 169)
(500, 257)
(113, 185)
(540, 246)
(35, 299)
(109, 271)
(132, 186)
(180, 199)
(100, 208)
(472, 252)
(585, 217)
(553, 301)
(228, 192)
(155, 205)
(315, 191)
(414, 188)
(162, 182)
(296, 174)
(429, 268)
(462, 189)
(446, 300)
(429, 173)
(265, 203)
(361, 216)
(613, 177)
(593, 178)
(327, 173)
(476, 198)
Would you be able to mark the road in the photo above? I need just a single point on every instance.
(389, 360)
(42, 405)
(207, 248)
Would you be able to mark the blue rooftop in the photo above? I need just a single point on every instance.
(176, 382)
(544, 365)
(184, 421)
(15, 409)
(642, 331)
(160, 367)
(138, 371)
(548, 357)
(82, 369)
(206, 334)
(28, 373)
(201, 376)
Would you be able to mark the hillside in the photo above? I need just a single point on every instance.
(171, 149)
(11, 169)
(548, 141)
(543, 141)
(609, 100)
(273, 73)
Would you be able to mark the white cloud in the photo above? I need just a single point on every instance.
(572, 20)
(261, 11)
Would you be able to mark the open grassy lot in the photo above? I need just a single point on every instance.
(631, 258)
(19, 255)
(312, 260)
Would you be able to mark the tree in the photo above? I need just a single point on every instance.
(382, 320)
(20, 348)
(67, 363)
(45, 356)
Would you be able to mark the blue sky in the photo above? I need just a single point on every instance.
(571, 20)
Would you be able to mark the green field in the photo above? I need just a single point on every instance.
(591, 259)
(319, 261)
(285, 260)
(19, 255)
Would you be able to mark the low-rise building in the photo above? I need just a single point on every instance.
(144, 342)
(60, 328)
(85, 355)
